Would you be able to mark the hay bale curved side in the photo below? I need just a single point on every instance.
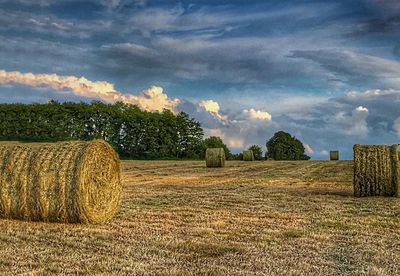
(215, 157)
(248, 155)
(375, 170)
(60, 182)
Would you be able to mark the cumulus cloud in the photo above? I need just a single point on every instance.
(362, 109)
(210, 106)
(213, 108)
(237, 129)
(258, 115)
(354, 124)
(309, 150)
(153, 99)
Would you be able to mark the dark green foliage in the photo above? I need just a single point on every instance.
(237, 156)
(216, 142)
(132, 132)
(257, 152)
(283, 146)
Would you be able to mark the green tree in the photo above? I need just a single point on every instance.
(257, 152)
(283, 146)
(216, 142)
(134, 133)
(238, 156)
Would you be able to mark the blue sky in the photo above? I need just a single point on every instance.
(326, 71)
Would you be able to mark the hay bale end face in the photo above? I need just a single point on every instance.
(248, 155)
(376, 170)
(215, 157)
(334, 155)
(77, 182)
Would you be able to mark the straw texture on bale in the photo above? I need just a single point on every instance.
(215, 157)
(334, 155)
(376, 170)
(77, 182)
(248, 155)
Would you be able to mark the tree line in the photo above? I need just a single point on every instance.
(134, 133)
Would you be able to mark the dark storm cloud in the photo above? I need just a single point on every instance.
(233, 60)
(356, 68)
(376, 26)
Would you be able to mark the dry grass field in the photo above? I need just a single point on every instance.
(250, 218)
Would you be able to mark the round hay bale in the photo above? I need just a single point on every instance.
(376, 170)
(334, 155)
(215, 157)
(77, 182)
(248, 155)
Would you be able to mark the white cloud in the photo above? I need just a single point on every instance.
(210, 106)
(237, 130)
(362, 109)
(213, 108)
(354, 124)
(371, 94)
(309, 150)
(152, 99)
(257, 115)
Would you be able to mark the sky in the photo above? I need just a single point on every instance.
(328, 72)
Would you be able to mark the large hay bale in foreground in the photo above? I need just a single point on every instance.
(248, 155)
(60, 182)
(376, 170)
(215, 157)
(334, 155)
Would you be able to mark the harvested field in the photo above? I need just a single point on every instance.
(249, 218)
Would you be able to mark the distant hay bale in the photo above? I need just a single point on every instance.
(215, 157)
(334, 155)
(376, 170)
(248, 155)
(77, 182)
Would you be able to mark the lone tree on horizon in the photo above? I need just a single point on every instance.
(283, 146)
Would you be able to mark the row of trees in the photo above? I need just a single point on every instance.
(134, 133)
